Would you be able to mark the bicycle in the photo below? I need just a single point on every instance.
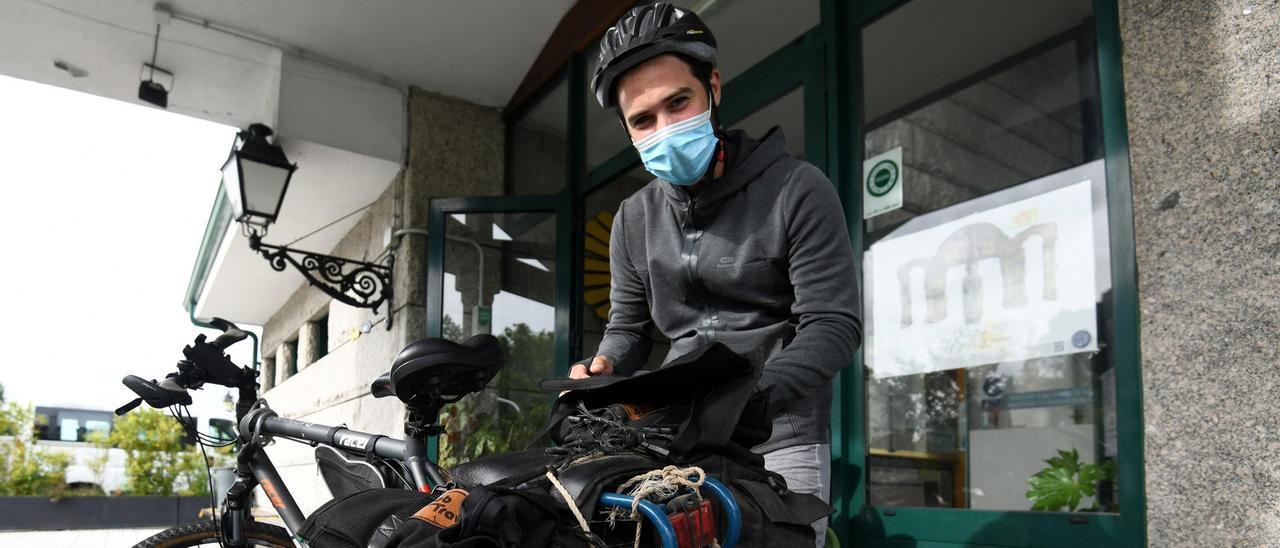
(427, 375)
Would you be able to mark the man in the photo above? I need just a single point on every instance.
(734, 242)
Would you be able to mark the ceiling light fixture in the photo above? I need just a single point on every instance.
(150, 90)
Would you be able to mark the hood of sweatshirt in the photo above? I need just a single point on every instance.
(747, 159)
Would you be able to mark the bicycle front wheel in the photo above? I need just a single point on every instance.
(205, 533)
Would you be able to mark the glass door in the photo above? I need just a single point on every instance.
(495, 266)
(990, 392)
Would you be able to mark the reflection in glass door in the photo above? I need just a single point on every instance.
(499, 273)
(987, 289)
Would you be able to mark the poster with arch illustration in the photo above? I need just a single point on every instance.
(986, 283)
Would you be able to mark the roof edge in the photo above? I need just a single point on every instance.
(214, 231)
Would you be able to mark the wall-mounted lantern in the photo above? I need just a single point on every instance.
(255, 177)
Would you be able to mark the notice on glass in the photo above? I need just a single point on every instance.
(882, 183)
(1012, 282)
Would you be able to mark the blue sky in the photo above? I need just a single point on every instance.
(104, 207)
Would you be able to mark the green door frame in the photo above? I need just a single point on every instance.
(874, 526)
(438, 212)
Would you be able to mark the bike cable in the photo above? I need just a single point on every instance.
(189, 426)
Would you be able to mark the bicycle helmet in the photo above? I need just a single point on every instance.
(644, 33)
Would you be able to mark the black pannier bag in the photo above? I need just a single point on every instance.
(490, 517)
(702, 409)
(363, 519)
(347, 474)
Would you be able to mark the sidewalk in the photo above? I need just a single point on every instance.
(87, 538)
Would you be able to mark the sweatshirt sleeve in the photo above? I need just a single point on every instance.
(626, 339)
(824, 279)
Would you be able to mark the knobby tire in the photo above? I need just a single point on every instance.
(204, 533)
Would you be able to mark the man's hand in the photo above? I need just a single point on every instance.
(599, 366)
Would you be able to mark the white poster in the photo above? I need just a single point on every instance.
(882, 183)
(1012, 282)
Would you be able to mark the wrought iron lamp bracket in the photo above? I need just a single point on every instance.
(355, 283)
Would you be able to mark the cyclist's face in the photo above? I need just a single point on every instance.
(660, 92)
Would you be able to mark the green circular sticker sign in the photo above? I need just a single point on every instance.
(882, 178)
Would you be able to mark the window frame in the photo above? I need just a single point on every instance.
(877, 526)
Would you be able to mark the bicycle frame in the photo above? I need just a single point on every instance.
(253, 466)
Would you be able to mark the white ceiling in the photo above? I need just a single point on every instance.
(341, 129)
(477, 50)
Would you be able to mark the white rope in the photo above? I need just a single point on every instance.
(663, 483)
(573, 507)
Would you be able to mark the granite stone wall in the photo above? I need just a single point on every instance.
(1202, 81)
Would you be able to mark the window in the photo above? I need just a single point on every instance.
(537, 145)
(986, 294)
(96, 428)
(291, 356)
(322, 337)
(499, 278)
(69, 430)
(222, 429)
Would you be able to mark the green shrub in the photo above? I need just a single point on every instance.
(480, 425)
(156, 460)
(25, 468)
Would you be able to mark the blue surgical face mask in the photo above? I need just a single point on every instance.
(681, 152)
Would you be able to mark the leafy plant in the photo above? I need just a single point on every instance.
(481, 424)
(1066, 482)
(157, 462)
(25, 468)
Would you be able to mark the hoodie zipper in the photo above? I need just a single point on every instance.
(692, 237)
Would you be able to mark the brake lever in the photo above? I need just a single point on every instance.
(158, 395)
(128, 407)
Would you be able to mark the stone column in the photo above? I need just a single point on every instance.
(1203, 104)
(309, 340)
(284, 356)
(268, 376)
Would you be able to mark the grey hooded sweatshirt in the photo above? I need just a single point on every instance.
(759, 260)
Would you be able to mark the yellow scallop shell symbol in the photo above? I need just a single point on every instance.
(595, 279)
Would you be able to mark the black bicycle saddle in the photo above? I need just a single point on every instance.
(434, 372)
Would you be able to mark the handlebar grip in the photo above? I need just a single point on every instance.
(128, 407)
(231, 333)
(158, 395)
(229, 338)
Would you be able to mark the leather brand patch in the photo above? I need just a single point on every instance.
(637, 411)
(444, 511)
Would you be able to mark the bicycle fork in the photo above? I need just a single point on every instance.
(253, 466)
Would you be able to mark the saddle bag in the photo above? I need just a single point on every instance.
(347, 474)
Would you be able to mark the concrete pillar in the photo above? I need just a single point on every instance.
(268, 376)
(285, 355)
(309, 341)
